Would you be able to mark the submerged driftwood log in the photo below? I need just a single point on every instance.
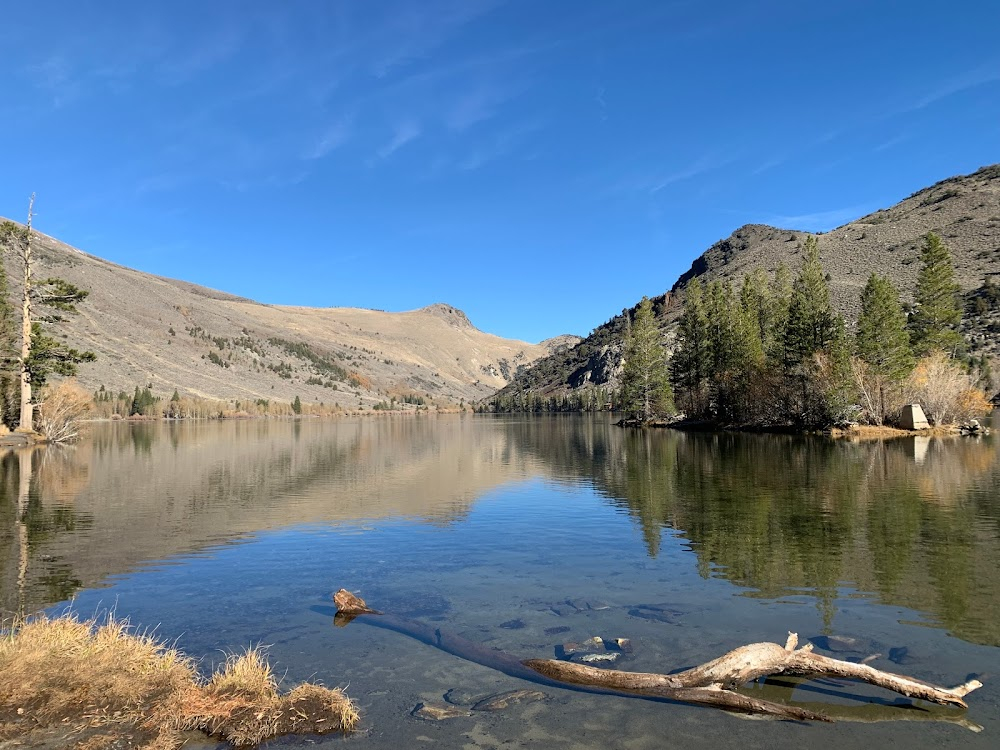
(711, 684)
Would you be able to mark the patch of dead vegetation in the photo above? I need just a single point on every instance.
(89, 685)
(862, 432)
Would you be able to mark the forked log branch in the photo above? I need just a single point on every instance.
(748, 663)
(711, 684)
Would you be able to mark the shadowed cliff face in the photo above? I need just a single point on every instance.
(912, 522)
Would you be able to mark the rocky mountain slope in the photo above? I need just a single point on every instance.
(206, 343)
(964, 211)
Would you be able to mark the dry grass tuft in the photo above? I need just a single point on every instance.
(101, 683)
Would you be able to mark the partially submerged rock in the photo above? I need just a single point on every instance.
(458, 698)
(656, 613)
(503, 701)
(430, 711)
(595, 650)
(575, 606)
(607, 658)
(973, 427)
(903, 655)
(462, 697)
(845, 644)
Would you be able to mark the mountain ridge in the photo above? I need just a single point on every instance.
(207, 343)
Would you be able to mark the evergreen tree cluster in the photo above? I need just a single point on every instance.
(776, 353)
(144, 403)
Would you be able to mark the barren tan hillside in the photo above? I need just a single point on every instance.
(177, 335)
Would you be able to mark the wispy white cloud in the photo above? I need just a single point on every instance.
(890, 142)
(970, 79)
(267, 181)
(416, 29)
(160, 183)
(335, 136)
(819, 221)
(54, 75)
(406, 131)
(476, 106)
(652, 181)
(705, 164)
(602, 102)
(203, 52)
(769, 164)
(502, 144)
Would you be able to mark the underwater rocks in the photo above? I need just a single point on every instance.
(656, 613)
(430, 711)
(574, 606)
(458, 700)
(503, 701)
(595, 650)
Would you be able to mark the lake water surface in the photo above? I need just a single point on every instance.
(524, 533)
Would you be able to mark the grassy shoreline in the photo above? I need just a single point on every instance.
(93, 685)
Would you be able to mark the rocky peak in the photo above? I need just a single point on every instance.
(452, 315)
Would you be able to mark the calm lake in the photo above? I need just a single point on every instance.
(525, 533)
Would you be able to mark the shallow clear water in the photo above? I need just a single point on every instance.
(220, 535)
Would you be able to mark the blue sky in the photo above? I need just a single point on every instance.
(540, 165)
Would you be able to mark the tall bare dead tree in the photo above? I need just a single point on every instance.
(27, 408)
(40, 354)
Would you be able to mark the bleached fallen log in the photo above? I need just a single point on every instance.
(711, 684)
(748, 663)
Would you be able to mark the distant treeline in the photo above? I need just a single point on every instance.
(590, 398)
(143, 403)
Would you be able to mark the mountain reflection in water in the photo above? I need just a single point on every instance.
(913, 522)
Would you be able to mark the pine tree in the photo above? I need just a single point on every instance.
(882, 344)
(937, 313)
(810, 325)
(780, 299)
(758, 307)
(297, 405)
(736, 352)
(721, 331)
(645, 386)
(838, 392)
(690, 365)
